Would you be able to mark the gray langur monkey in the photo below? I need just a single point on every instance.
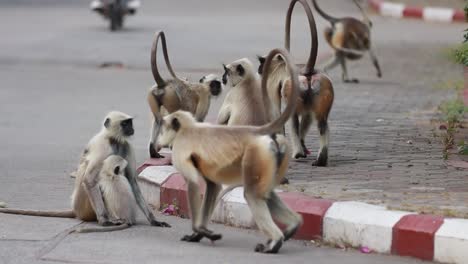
(168, 96)
(316, 93)
(87, 198)
(117, 194)
(243, 104)
(254, 156)
(350, 38)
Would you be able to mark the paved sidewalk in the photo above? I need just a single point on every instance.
(383, 149)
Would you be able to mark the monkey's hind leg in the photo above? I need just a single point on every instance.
(322, 157)
(332, 63)
(306, 121)
(285, 215)
(294, 132)
(103, 229)
(344, 75)
(375, 62)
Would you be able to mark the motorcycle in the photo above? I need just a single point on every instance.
(115, 10)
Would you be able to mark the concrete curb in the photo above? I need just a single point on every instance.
(436, 14)
(349, 223)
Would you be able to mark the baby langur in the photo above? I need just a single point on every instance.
(117, 194)
(243, 104)
(315, 95)
(253, 156)
(168, 96)
(88, 201)
(350, 38)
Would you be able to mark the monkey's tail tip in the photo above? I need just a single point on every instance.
(3, 204)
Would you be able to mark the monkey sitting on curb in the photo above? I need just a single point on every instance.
(88, 201)
(168, 96)
(254, 156)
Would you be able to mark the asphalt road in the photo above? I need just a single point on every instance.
(53, 98)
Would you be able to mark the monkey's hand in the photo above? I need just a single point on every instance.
(153, 153)
(158, 223)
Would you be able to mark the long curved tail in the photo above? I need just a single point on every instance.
(329, 18)
(277, 125)
(154, 62)
(310, 65)
(64, 214)
(102, 228)
(366, 19)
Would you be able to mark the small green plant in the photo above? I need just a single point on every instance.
(453, 111)
(460, 54)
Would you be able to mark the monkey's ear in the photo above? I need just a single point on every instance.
(117, 170)
(261, 59)
(240, 70)
(175, 124)
(107, 123)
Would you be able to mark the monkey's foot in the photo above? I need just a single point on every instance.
(210, 234)
(319, 162)
(300, 155)
(158, 223)
(271, 247)
(195, 237)
(112, 222)
(153, 153)
(284, 181)
(289, 232)
(354, 80)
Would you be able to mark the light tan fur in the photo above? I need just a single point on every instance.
(117, 194)
(249, 155)
(243, 104)
(168, 96)
(315, 97)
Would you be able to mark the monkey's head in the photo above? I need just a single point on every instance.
(114, 166)
(118, 125)
(172, 124)
(276, 61)
(213, 82)
(238, 71)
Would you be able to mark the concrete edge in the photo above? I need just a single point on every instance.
(349, 223)
(434, 14)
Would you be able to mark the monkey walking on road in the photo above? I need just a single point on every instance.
(350, 38)
(168, 96)
(254, 156)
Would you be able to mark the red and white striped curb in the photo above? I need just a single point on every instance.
(399, 10)
(357, 224)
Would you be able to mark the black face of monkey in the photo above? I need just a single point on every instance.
(127, 127)
(215, 87)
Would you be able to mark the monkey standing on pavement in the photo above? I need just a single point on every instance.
(168, 96)
(253, 156)
(316, 93)
(350, 38)
(87, 199)
(243, 104)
